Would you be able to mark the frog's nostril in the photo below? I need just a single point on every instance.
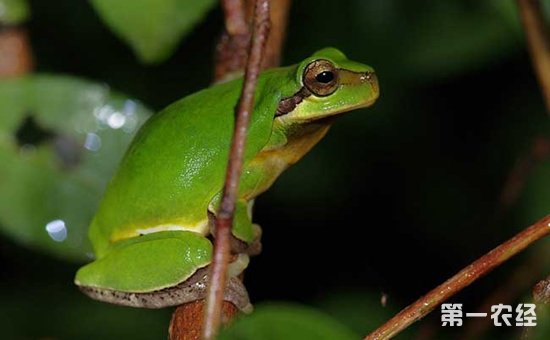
(373, 80)
(370, 75)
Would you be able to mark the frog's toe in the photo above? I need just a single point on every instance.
(237, 245)
(253, 248)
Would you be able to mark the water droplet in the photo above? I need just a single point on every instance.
(57, 230)
(131, 124)
(116, 120)
(103, 113)
(92, 142)
(130, 107)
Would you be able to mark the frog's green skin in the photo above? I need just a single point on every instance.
(151, 225)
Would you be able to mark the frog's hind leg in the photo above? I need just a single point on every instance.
(156, 270)
(192, 289)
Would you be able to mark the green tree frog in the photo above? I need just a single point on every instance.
(151, 233)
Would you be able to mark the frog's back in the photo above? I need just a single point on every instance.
(176, 165)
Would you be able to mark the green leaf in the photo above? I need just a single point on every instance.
(60, 141)
(287, 321)
(152, 27)
(13, 12)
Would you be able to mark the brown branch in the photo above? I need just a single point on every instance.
(462, 279)
(278, 14)
(187, 320)
(235, 17)
(515, 285)
(15, 52)
(231, 57)
(231, 50)
(224, 220)
(279, 18)
(538, 39)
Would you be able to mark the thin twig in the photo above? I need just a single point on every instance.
(231, 50)
(538, 39)
(279, 18)
(462, 279)
(507, 291)
(278, 14)
(231, 56)
(224, 220)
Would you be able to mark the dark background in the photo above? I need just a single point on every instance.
(397, 197)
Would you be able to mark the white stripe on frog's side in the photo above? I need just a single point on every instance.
(200, 228)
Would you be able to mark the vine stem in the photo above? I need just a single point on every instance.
(224, 220)
(538, 39)
(462, 279)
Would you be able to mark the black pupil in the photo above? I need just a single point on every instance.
(325, 77)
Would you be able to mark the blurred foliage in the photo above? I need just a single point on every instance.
(13, 12)
(536, 197)
(152, 27)
(397, 198)
(542, 330)
(60, 141)
(360, 311)
(58, 311)
(286, 321)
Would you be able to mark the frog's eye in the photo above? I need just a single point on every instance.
(321, 77)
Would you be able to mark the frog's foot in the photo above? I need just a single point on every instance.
(253, 248)
(193, 289)
(239, 246)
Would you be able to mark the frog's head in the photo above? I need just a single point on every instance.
(329, 84)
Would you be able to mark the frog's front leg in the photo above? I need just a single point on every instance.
(245, 235)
